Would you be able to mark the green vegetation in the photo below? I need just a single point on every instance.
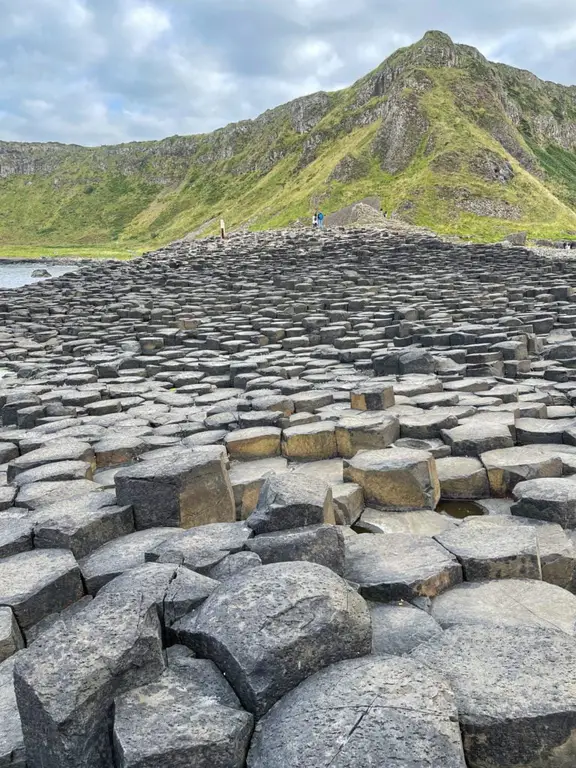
(69, 252)
(432, 113)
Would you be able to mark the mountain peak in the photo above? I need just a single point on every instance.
(436, 37)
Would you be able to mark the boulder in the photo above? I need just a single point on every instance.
(188, 717)
(400, 479)
(291, 500)
(399, 566)
(295, 619)
(37, 583)
(378, 711)
(66, 682)
(514, 692)
(186, 490)
(322, 544)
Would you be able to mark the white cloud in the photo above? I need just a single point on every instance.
(101, 71)
(145, 23)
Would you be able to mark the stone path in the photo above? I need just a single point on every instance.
(226, 473)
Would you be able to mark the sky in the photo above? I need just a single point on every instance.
(108, 71)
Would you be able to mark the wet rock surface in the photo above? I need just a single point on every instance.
(185, 442)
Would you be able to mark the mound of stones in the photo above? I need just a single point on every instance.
(303, 499)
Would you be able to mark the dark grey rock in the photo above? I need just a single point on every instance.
(399, 628)
(269, 629)
(188, 717)
(82, 524)
(291, 500)
(12, 754)
(35, 584)
(399, 566)
(186, 490)
(121, 555)
(367, 712)
(200, 549)
(512, 603)
(514, 692)
(322, 544)
(551, 499)
(174, 590)
(66, 682)
(11, 639)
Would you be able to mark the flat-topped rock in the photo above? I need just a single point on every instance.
(509, 602)
(297, 618)
(399, 628)
(462, 478)
(291, 500)
(188, 489)
(82, 524)
(477, 438)
(121, 555)
(202, 548)
(368, 431)
(498, 547)
(553, 500)
(422, 522)
(373, 711)
(37, 583)
(514, 692)
(111, 646)
(254, 443)
(399, 566)
(189, 716)
(510, 466)
(400, 479)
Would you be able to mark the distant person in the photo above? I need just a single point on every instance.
(321, 220)
(315, 220)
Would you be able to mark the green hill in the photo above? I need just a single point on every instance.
(447, 139)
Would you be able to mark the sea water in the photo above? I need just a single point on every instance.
(18, 274)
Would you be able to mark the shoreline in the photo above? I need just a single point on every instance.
(62, 261)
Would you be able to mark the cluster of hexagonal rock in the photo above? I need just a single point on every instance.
(292, 499)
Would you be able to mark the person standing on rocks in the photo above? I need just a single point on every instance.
(320, 220)
(314, 220)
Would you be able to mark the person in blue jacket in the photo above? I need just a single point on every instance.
(321, 220)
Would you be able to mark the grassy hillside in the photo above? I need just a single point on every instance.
(445, 138)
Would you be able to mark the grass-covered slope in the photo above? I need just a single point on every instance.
(447, 139)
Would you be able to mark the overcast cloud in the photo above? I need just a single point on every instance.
(106, 71)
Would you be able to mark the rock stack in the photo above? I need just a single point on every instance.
(295, 498)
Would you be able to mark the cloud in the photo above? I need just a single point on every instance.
(106, 71)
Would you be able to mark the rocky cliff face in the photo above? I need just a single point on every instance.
(435, 125)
